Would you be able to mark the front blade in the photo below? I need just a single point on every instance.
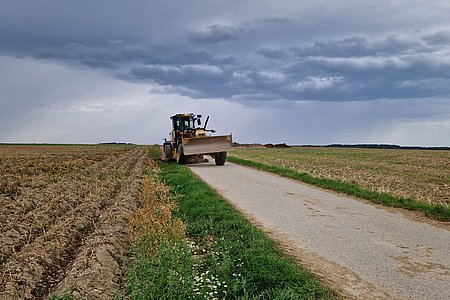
(207, 145)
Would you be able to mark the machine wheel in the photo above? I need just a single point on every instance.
(220, 158)
(167, 151)
(181, 159)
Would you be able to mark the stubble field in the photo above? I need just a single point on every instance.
(423, 175)
(63, 216)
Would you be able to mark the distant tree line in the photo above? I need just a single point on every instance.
(386, 146)
(367, 146)
(115, 143)
(380, 146)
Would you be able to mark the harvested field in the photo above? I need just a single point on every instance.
(63, 218)
(423, 175)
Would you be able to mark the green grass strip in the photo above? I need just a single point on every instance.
(233, 259)
(166, 275)
(161, 262)
(438, 211)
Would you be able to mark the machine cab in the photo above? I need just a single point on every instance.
(183, 124)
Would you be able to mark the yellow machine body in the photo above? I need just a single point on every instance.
(189, 140)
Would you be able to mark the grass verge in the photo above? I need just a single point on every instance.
(161, 264)
(436, 211)
(189, 243)
(231, 258)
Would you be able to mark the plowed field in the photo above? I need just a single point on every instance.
(63, 223)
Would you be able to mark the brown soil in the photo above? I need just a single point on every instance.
(69, 233)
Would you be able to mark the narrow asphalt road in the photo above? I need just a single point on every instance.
(359, 249)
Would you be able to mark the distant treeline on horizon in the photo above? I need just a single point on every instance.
(385, 146)
(115, 143)
(368, 146)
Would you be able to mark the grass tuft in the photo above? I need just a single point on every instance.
(67, 295)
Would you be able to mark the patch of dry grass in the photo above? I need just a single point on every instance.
(161, 265)
(423, 175)
(153, 222)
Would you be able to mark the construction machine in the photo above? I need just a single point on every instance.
(189, 141)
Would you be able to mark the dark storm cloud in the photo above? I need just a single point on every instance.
(361, 46)
(176, 55)
(216, 33)
(97, 64)
(354, 68)
(437, 38)
(289, 20)
(191, 77)
(130, 55)
(264, 51)
(271, 53)
(393, 76)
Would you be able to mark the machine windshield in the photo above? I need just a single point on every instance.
(187, 123)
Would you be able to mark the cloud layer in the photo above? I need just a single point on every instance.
(254, 54)
(275, 52)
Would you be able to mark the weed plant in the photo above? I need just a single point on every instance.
(65, 296)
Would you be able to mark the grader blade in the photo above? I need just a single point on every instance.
(207, 145)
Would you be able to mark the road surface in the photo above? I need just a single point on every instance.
(361, 250)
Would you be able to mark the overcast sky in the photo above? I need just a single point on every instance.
(300, 72)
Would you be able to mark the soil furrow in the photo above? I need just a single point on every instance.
(96, 272)
(25, 228)
(41, 264)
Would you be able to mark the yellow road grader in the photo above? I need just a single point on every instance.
(189, 141)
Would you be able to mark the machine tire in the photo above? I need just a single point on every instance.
(220, 158)
(167, 151)
(181, 158)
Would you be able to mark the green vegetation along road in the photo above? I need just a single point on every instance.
(359, 249)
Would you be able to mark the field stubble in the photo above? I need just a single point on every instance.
(63, 222)
(423, 175)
